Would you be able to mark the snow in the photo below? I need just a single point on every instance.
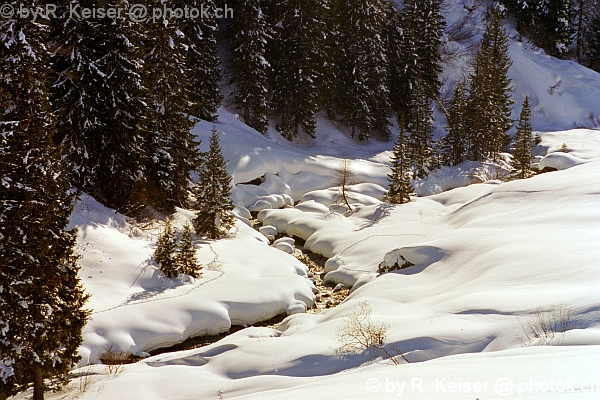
(135, 308)
(487, 258)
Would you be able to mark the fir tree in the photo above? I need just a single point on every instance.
(41, 298)
(593, 44)
(98, 98)
(186, 255)
(523, 143)
(250, 67)
(202, 62)
(165, 253)
(420, 127)
(212, 193)
(399, 178)
(297, 72)
(490, 104)
(172, 149)
(362, 98)
(553, 25)
(455, 143)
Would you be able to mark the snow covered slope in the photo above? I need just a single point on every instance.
(136, 309)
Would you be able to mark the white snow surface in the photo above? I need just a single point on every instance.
(487, 258)
(135, 308)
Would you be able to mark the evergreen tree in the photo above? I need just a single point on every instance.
(420, 127)
(99, 101)
(172, 149)
(77, 48)
(297, 72)
(455, 143)
(164, 255)
(202, 62)
(41, 298)
(250, 67)
(186, 256)
(212, 193)
(362, 99)
(593, 44)
(489, 102)
(553, 25)
(522, 153)
(399, 178)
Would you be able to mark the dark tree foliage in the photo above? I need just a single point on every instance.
(250, 67)
(362, 99)
(186, 254)
(490, 103)
(522, 152)
(399, 178)
(455, 144)
(170, 144)
(212, 193)
(165, 254)
(298, 70)
(41, 298)
(98, 97)
(202, 62)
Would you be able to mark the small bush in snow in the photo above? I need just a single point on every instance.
(544, 325)
(359, 332)
(114, 359)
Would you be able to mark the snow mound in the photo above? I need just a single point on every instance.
(559, 161)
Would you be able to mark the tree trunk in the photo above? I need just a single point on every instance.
(38, 383)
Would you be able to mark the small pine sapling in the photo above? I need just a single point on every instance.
(164, 255)
(522, 153)
(399, 178)
(212, 193)
(186, 256)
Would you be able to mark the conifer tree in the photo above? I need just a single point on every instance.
(362, 99)
(165, 253)
(186, 255)
(212, 193)
(172, 149)
(399, 178)
(523, 143)
(455, 143)
(593, 44)
(41, 298)
(202, 61)
(250, 67)
(297, 72)
(490, 104)
(420, 128)
(553, 19)
(77, 48)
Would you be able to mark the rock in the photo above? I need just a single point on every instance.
(285, 247)
(315, 290)
(338, 287)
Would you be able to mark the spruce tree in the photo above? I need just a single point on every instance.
(298, 72)
(172, 149)
(455, 143)
(553, 30)
(522, 153)
(202, 61)
(362, 99)
(165, 253)
(41, 298)
(399, 178)
(490, 103)
(420, 127)
(186, 254)
(212, 193)
(593, 44)
(250, 67)
(99, 100)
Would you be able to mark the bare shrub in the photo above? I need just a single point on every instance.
(359, 333)
(85, 378)
(343, 179)
(114, 359)
(544, 325)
